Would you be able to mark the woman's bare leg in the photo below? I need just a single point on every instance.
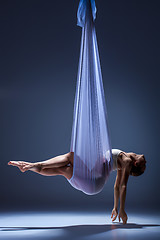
(59, 161)
(66, 171)
(60, 165)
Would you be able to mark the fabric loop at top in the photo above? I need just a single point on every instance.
(82, 11)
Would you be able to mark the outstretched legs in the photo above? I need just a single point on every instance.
(60, 165)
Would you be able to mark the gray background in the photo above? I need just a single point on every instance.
(39, 52)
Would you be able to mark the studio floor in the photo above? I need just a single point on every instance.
(59, 226)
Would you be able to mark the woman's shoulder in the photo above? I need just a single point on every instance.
(124, 160)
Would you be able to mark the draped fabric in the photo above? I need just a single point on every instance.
(90, 137)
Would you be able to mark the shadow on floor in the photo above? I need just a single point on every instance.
(84, 230)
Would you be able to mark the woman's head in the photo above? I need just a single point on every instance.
(139, 164)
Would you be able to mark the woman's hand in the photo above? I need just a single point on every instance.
(114, 214)
(123, 216)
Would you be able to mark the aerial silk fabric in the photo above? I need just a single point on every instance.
(90, 135)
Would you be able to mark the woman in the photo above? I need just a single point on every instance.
(125, 163)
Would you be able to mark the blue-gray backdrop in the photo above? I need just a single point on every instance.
(39, 53)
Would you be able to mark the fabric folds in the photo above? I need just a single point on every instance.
(90, 136)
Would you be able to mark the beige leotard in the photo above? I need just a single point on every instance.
(115, 153)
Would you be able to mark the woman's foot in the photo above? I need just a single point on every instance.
(23, 166)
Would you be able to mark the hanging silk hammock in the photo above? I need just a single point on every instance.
(90, 138)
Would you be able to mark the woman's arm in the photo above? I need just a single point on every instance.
(116, 195)
(123, 187)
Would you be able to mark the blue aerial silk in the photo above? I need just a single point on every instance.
(90, 137)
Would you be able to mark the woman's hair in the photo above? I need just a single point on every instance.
(139, 168)
(136, 171)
